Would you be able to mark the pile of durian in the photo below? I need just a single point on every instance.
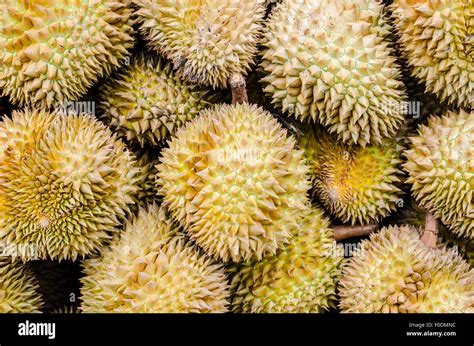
(230, 153)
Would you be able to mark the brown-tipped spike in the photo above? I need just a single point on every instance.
(430, 235)
(344, 232)
(239, 88)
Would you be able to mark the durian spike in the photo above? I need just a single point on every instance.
(239, 88)
(430, 235)
(346, 231)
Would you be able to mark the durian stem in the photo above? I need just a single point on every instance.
(239, 88)
(344, 232)
(430, 235)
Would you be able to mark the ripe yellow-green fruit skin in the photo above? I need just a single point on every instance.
(328, 62)
(18, 288)
(52, 51)
(146, 102)
(440, 165)
(437, 39)
(395, 272)
(300, 278)
(151, 269)
(206, 40)
(66, 182)
(234, 180)
(359, 185)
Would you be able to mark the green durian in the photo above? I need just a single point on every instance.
(207, 41)
(151, 269)
(300, 278)
(234, 180)
(437, 40)
(395, 272)
(18, 288)
(146, 102)
(328, 62)
(358, 185)
(65, 184)
(440, 165)
(52, 51)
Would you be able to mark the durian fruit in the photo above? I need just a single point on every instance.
(146, 102)
(355, 184)
(18, 288)
(440, 164)
(395, 272)
(151, 269)
(328, 61)
(421, 104)
(51, 51)
(234, 180)
(65, 184)
(206, 40)
(437, 39)
(300, 278)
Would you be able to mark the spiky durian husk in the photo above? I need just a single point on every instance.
(18, 288)
(437, 41)
(395, 272)
(52, 51)
(327, 61)
(151, 269)
(206, 40)
(65, 184)
(421, 104)
(440, 164)
(147, 102)
(355, 184)
(233, 178)
(299, 278)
